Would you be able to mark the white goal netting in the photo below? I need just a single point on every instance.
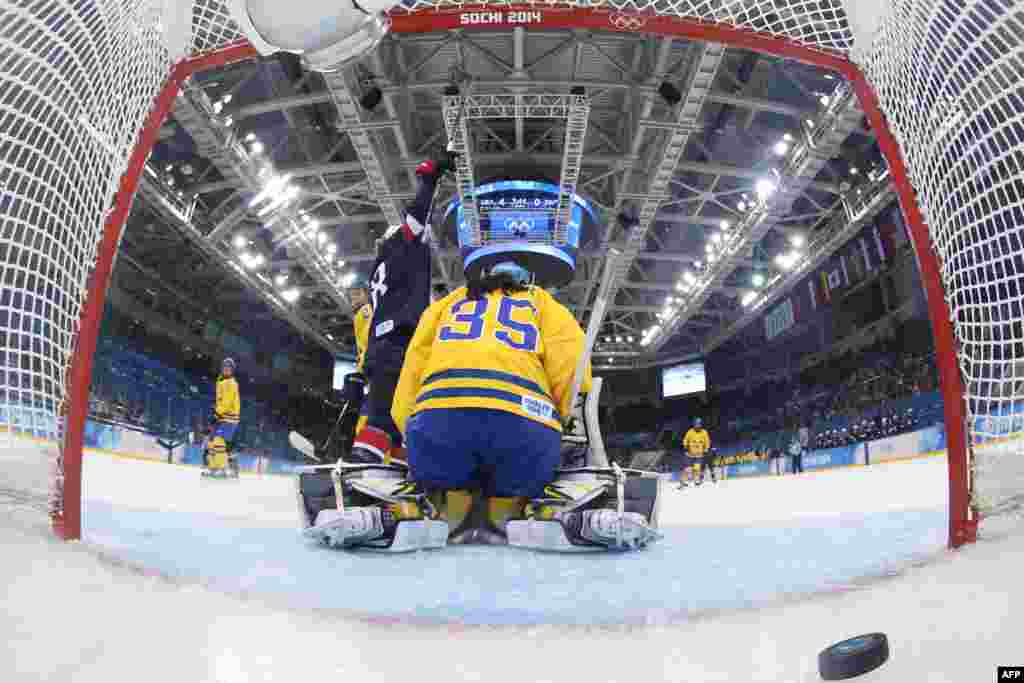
(79, 77)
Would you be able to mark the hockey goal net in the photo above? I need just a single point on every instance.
(85, 86)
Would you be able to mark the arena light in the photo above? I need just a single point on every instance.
(290, 295)
(256, 147)
(708, 248)
(748, 298)
(332, 248)
(321, 237)
(240, 241)
(281, 279)
(716, 238)
(348, 280)
(287, 195)
(765, 188)
(250, 137)
(618, 340)
(757, 280)
(690, 277)
(742, 206)
(251, 261)
(781, 148)
(787, 137)
(273, 187)
(854, 170)
(680, 287)
(797, 241)
(724, 225)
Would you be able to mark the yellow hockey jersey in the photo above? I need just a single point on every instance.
(697, 442)
(361, 322)
(228, 406)
(512, 352)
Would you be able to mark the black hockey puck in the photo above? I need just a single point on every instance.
(853, 657)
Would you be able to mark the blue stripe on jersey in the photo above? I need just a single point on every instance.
(495, 375)
(478, 392)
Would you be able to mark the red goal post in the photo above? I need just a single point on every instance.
(121, 85)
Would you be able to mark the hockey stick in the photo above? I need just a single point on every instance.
(594, 328)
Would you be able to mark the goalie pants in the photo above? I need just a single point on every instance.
(458, 448)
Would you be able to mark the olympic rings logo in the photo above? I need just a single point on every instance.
(627, 22)
(518, 227)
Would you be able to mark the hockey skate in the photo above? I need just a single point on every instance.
(591, 509)
(367, 506)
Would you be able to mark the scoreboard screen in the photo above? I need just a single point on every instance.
(682, 380)
(521, 225)
(517, 219)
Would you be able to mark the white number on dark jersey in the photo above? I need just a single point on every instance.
(378, 287)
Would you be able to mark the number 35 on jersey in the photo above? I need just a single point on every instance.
(512, 322)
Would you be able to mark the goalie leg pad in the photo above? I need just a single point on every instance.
(379, 509)
(366, 528)
(591, 510)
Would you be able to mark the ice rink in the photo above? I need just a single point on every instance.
(183, 579)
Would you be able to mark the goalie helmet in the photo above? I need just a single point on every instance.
(513, 270)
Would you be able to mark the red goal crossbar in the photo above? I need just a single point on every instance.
(962, 519)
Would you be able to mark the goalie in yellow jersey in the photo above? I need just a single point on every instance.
(486, 384)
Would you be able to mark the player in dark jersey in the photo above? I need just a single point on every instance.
(399, 293)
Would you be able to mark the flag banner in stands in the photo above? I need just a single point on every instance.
(779, 319)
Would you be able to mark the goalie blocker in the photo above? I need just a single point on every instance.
(374, 507)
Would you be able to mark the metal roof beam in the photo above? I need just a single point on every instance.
(572, 155)
(458, 139)
(194, 111)
(841, 117)
(708, 58)
(162, 205)
(608, 161)
(717, 97)
(843, 227)
(636, 145)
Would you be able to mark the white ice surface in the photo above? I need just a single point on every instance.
(181, 579)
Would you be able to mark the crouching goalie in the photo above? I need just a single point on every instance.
(486, 380)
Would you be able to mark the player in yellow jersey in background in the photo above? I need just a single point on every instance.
(697, 444)
(226, 414)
